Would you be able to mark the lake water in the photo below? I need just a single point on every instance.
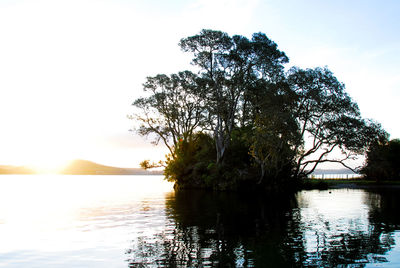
(138, 221)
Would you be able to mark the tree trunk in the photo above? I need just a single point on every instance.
(262, 173)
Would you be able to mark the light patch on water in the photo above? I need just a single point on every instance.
(328, 215)
(57, 216)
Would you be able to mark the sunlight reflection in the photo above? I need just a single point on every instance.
(36, 211)
(330, 217)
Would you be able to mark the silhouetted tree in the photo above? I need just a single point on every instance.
(329, 118)
(173, 111)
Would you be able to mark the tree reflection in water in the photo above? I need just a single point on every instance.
(231, 230)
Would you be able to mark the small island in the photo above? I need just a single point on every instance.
(242, 119)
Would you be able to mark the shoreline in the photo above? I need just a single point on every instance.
(322, 184)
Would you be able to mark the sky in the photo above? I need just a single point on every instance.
(70, 70)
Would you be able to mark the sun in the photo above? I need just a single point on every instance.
(49, 165)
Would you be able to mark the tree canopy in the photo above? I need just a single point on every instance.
(240, 118)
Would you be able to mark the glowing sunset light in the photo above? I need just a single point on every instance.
(49, 165)
(70, 70)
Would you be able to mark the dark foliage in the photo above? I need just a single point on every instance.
(383, 161)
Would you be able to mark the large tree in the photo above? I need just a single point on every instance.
(262, 121)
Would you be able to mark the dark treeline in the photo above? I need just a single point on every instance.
(240, 119)
(383, 160)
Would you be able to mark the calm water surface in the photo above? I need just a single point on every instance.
(138, 221)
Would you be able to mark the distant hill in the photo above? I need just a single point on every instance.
(82, 167)
(85, 167)
(4, 169)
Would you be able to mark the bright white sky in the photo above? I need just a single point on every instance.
(69, 70)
